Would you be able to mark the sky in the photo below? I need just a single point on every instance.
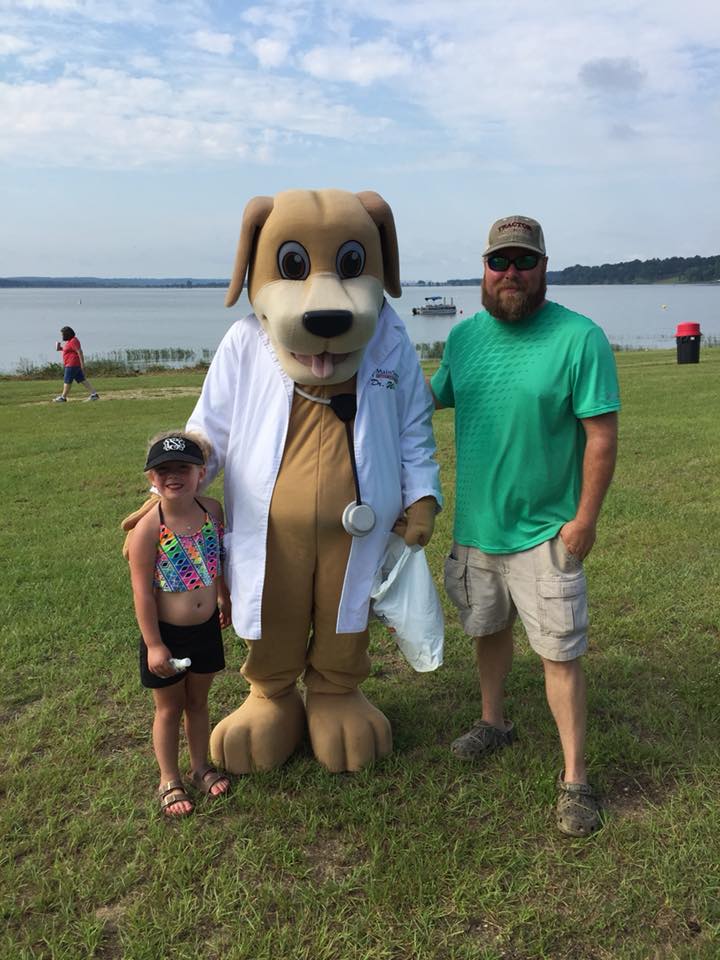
(133, 134)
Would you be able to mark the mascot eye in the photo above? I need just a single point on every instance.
(293, 261)
(350, 260)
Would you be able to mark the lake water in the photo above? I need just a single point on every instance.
(108, 320)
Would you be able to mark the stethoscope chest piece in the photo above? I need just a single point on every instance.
(358, 519)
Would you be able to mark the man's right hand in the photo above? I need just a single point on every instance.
(578, 538)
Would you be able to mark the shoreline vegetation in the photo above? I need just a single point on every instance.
(119, 363)
(669, 270)
(135, 362)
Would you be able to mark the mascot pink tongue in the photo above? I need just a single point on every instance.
(321, 364)
(318, 263)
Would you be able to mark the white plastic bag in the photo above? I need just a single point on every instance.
(404, 598)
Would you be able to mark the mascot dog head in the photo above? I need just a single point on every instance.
(317, 263)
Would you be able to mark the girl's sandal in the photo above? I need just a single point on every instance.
(206, 779)
(173, 792)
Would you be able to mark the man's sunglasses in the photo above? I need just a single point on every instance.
(498, 264)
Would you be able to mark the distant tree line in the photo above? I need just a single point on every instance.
(669, 270)
(97, 282)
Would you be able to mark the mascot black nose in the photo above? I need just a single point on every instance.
(327, 323)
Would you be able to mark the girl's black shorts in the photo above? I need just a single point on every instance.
(202, 642)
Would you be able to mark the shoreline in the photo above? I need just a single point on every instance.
(98, 367)
(180, 284)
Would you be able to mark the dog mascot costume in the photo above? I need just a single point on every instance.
(299, 464)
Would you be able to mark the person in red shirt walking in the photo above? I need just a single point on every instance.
(74, 364)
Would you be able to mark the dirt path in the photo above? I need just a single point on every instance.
(145, 393)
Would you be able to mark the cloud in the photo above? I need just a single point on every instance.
(99, 11)
(220, 43)
(102, 119)
(623, 131)
(107, 118)
(362, 64)
(143, 63)
(38, 61)
(51, 6)
(612, 75)
(283, 20)
(271, 52)
(271, 34)
(10, 45)
(420, 80)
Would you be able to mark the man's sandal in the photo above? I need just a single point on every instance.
(206, 779)
(170, 793)
(481, 739)
(578, 809)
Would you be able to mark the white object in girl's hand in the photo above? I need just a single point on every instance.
(179, 664)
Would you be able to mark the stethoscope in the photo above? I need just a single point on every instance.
(358, 518)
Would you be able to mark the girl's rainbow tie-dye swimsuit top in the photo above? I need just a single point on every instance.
(187, 563)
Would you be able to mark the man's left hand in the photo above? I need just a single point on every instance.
(578, 538)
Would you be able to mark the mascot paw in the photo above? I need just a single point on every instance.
(416, 526)
(131, 521)
(259, 735)
(347, 732)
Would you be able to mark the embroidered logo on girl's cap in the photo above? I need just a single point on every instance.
(174, 448)
(173, 443)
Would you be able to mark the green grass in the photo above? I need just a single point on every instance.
(420, 857)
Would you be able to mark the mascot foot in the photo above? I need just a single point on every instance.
(259, 735)
(346, 731)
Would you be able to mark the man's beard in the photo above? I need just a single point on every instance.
(517, 308)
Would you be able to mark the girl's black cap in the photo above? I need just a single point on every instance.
(174, 448)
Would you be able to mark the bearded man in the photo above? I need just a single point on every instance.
(535, 392)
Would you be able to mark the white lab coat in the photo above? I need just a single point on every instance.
(244, 410)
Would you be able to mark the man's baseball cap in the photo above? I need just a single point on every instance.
(516, 231)
(174, 448)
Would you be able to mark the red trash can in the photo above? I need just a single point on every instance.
(687, 340)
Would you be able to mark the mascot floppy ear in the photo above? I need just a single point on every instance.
(382, 216)
(256, 213)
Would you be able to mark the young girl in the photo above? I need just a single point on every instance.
(181, 604)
